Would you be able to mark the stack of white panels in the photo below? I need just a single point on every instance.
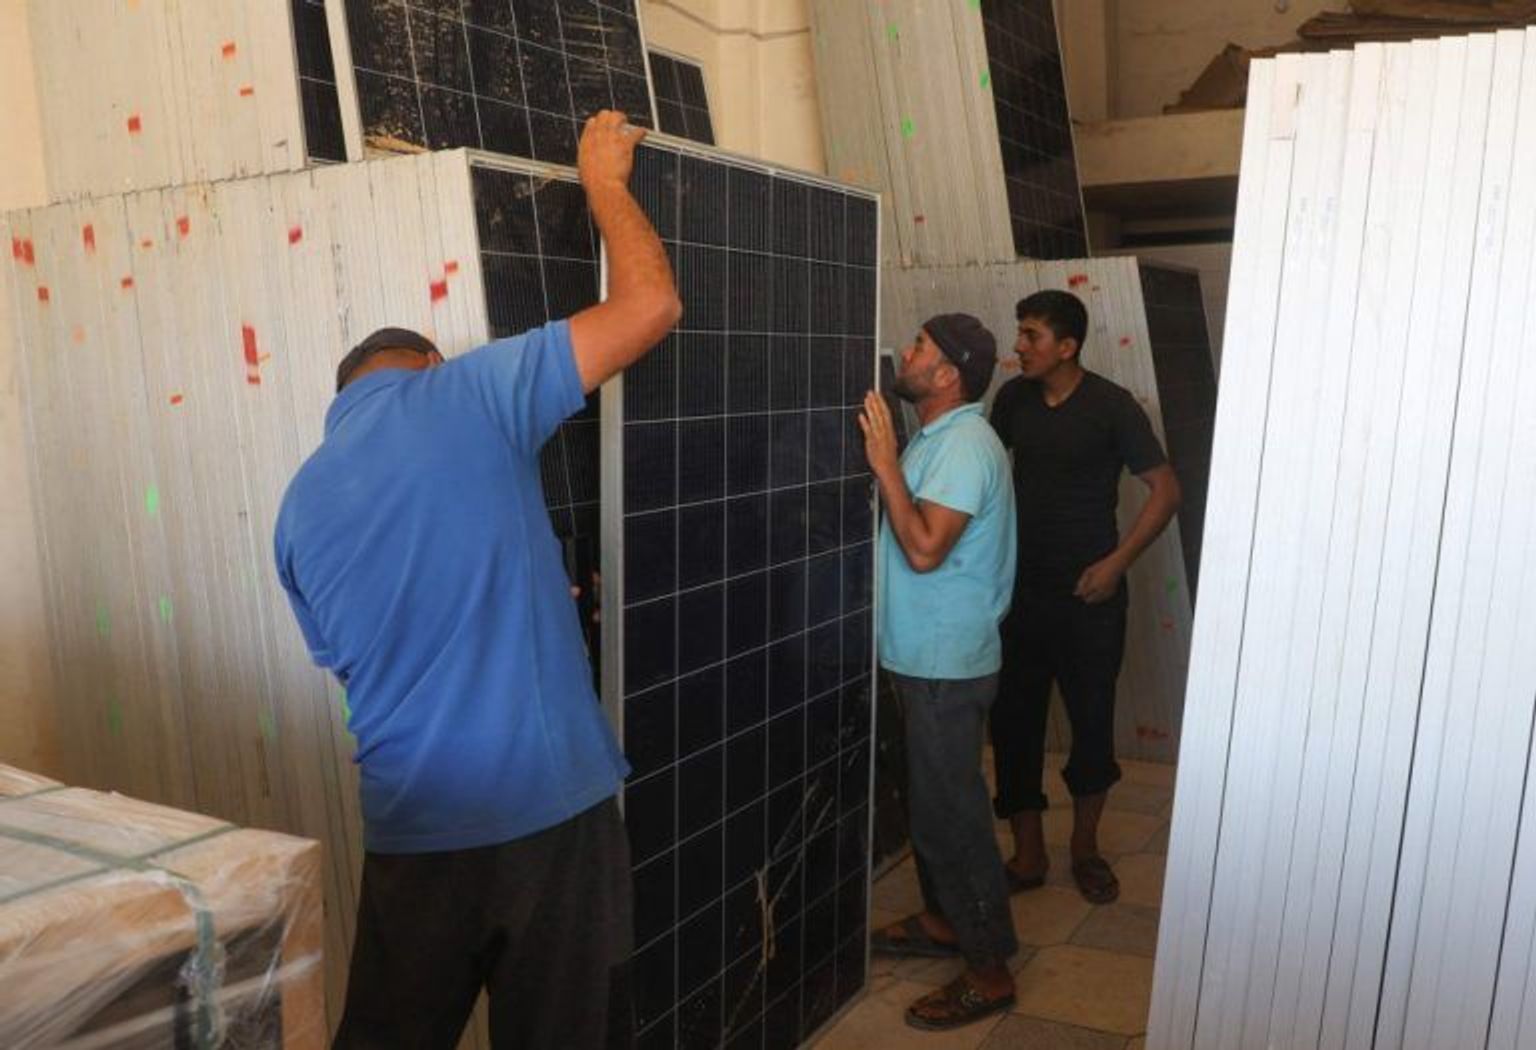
(1119, 347)
(1352, 860)
(140, 95)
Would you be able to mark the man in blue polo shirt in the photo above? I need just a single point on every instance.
(423, 571)
(947, 550)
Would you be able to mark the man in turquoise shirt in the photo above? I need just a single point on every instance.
(947, 550)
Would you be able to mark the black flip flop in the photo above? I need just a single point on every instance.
(961, 1004)
(914, 942)
(1095, 880)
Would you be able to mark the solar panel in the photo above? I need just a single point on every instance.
(682, 104)
(538, 256)
(1034, 128)
(1186, 390)
(509, 76)
(323, 137)
(741, 656)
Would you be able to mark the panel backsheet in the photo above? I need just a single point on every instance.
(682, 105)
(746, 619)
(510, 76)
(1034, 129)
(1186, 389)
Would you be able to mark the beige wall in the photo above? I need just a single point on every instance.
(26, 717)
(1161, 46)
(758, 69)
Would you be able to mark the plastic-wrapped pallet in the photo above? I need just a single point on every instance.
(125, 925)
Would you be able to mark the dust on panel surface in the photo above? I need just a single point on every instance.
(510, 76)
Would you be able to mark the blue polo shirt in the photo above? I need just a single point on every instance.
(421, 565)
(943, 624)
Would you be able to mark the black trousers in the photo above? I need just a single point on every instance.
(542, 923)
(1056, 639)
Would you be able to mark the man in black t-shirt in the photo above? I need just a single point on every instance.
(1071, 433)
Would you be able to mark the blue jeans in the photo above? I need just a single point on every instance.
(958, 863)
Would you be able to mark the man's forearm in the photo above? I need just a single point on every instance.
(1160, 507)
(908, 525)
(637, 263)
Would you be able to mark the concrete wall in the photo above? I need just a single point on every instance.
(26, 701)
(1161, 46)
(758, 69)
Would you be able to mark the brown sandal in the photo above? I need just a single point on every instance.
(955, 1005)
(1095, 880)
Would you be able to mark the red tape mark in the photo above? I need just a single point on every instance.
(77, 333)
(42, 293)
(88, 235)
(252, 356)
(451, 266)
(135, 124)
(246, 91)
(177, 399)
(919, 219)
(127, 282)
(183, 225)
(228, 49)
(1077, 280)
(1125, 340)
(27, 254)
(146, 244)
(16, 248)
(439, 290)
(295, 234)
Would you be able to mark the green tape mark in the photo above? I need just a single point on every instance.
(892, 32)
(975, 5)
(1172, 585)
(346, 708)
(165, 608)
(114, 716)
(908, 129)
(103, 620)
(152, 501)
(268, 725)
(986, 79)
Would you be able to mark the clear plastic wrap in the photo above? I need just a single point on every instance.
(126, 925)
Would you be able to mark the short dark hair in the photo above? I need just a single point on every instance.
(1063, 313)
(382, 339)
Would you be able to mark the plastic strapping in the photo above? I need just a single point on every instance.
(204, 971)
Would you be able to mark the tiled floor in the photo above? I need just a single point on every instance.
(1084, 973)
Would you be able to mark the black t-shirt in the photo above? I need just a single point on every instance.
(1066, 472)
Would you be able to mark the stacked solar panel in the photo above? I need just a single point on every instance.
(1034, 128)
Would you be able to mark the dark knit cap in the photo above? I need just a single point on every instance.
(969, 346)
(383, 339)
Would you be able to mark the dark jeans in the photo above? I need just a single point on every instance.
(1056, 638)
(542, 923)
(958, 862)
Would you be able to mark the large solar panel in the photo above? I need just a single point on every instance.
(682, 104)
(538, 255)
(509, 76)
(1186, 390)
(323, 136)
(1024, 71)
(740, 656)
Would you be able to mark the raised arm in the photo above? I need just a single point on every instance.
(642, 304)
